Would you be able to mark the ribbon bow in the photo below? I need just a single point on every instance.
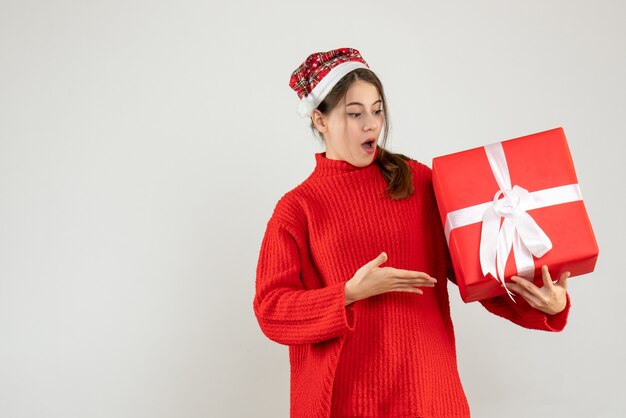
(518, 231)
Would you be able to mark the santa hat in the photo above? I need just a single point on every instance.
(319, 73)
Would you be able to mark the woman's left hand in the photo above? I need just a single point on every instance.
(551, 298)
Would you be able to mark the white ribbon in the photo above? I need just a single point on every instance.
(519, 230)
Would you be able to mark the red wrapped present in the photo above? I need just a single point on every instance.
(519, 196)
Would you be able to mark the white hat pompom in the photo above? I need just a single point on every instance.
(306, 106)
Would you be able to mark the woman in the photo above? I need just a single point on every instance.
(367, 340)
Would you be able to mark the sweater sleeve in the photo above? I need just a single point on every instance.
(519, 312)
(286, 312)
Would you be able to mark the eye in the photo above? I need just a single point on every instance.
(379, 111)
(354, 114)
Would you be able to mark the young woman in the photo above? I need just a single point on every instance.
(353, 267)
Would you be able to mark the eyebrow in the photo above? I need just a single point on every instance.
(361, 104)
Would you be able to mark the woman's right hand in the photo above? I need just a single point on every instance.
(370, 280)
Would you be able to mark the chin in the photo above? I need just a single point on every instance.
(366, 161)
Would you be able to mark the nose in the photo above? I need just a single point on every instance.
(370, 123)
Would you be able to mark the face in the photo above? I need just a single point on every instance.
(355, 121)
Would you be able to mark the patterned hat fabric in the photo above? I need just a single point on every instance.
(319, 73)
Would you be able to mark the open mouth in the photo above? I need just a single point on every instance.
(369, 145)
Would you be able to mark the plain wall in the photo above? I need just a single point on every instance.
(144, 144)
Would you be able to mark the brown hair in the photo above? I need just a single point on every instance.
(392, 166)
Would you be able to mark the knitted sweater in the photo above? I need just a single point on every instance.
(390, 355)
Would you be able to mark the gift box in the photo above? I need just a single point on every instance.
(510, 207)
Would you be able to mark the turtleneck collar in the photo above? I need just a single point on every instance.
(327, 167)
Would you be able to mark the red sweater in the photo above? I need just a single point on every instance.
(390, 355)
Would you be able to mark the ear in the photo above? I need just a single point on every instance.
(319, 121)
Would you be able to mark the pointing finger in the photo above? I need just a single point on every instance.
(418, 282)
(410, 274)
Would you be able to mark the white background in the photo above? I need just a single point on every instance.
(144, 144)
